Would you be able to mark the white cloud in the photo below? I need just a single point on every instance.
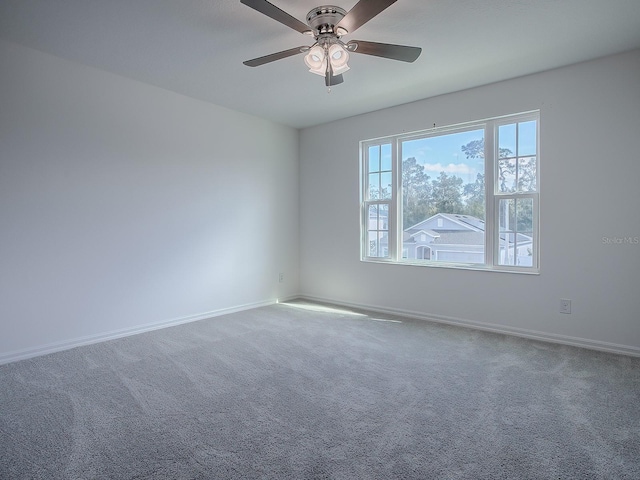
(453, 168)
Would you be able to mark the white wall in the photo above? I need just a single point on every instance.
(123, 205)
(590, 189)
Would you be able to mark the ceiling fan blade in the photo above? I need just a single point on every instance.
(362, 12)
(256, 62)
(274, 12)
(385, 50)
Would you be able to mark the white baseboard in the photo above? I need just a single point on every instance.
(102, 337)
(489, 327)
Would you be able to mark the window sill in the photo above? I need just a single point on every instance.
(457, 266)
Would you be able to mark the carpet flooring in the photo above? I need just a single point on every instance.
(302, 391)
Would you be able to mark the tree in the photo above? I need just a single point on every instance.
(447, 193)
(416, 193)
(512, 176)
(474, 197)
(475, 149)
(517, 215)
(527, 174)
(475, 192)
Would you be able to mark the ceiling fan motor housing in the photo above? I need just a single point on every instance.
(324, 19)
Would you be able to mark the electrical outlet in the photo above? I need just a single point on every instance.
(281, 277)
(565, 305)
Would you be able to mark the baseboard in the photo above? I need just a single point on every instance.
(489, 327)
(287, 299)
(112, 335)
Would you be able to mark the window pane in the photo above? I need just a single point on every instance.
(377, 230)
(378, 244)
(506, 222)
(507, 141)
(373, 244)
(443, 197)
(524, 237)
(515, 219)
(373, 217)
(383, 216)
(527, 174)
(505, 256)
(385, 185)
(383, 242)
(374, 158)
(507, 215)
(524, 215)
(527, 138)
(374, 186)
(378, 217)
(506, 175)
(386, 157)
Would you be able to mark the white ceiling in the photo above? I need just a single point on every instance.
(196, 47)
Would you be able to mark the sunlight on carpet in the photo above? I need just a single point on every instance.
(326, 309)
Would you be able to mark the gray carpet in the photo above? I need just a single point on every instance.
(287, 392)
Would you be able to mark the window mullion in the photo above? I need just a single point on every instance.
(393, 206)
(536, 230)
(364, 208)
(490, 166)
(514, 228)
(517, 156)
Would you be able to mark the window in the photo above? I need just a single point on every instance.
(379, 189)
(461, 196)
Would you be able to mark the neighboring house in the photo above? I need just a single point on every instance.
(451, 237)
(446, 237)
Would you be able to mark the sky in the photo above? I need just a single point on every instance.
(443, 152)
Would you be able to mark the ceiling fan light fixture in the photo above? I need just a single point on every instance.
(321, 70)
(315, 57)
(338, 57)
(340, 70)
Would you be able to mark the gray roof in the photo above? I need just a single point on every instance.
(473, 236)
(416, 231)
(474, 222)
(457, 237)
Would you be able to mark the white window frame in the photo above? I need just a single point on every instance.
(492, 197)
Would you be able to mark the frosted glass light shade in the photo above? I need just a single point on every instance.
(338, 57)
(315, 60)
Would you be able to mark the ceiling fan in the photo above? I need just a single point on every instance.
(327, 24)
